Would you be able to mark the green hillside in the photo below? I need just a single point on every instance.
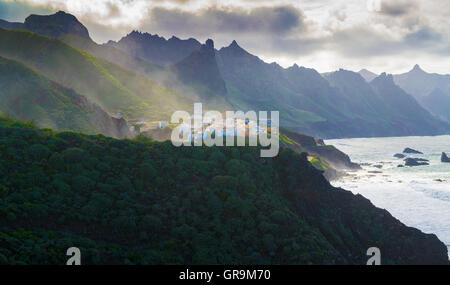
(116, 89)
(27, 95)
(140, 202)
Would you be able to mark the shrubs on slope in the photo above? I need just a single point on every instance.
(144, 202)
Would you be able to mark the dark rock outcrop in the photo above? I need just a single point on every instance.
(56, 25)
(316, 147)
(399, 155)
(410, 150)
(415, 161)
(445, 158)
(201, 71)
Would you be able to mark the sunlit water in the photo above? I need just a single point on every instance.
(414, 195)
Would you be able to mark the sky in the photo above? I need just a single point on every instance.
(379, 35)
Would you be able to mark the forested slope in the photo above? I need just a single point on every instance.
(137, 201)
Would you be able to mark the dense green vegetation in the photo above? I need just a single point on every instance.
(145, 202)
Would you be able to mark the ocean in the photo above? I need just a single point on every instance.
(418, 196)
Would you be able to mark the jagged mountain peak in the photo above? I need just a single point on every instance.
(348, 74)
(156, 49)
(56, 25)
(136, 35)
(296, 68)
(235, 48)
(209, 44)
(417, 68)
(384, 79)
(367, 74)
(386, 76)
(234, 45)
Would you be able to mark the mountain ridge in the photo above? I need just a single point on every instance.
(234, 78)
(156, 49)
(425, 87)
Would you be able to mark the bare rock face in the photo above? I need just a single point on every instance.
(56, 25)
(201, 69)
(410, 150)
(445, 158)
(399, 155)
(416, 161)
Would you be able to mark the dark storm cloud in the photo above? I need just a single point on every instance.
(364, 41)
(346, 30)
(423, 36)
(398, 7)
(267, 20)
(285, 31)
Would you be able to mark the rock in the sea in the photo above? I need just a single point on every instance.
(415, 161)
(400, 165)
(399, 155)
(445, 158)
(379, 166)
(410, 150)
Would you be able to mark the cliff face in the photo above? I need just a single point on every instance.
(324, 157)
(200, 69)
(365, 226)
(114, 127)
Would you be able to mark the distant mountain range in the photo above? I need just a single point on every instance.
(148, 76)
(431, 90)
(156, 49)
(367, 75)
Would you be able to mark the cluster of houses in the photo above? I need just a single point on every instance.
(231, 127)
(143, 126)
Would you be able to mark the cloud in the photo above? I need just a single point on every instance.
(397, 8)
(213, 20)
(17, 11)
(321, 33)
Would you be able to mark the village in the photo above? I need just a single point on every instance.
(236, 127)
